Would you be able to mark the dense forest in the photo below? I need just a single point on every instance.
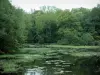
(49, 25)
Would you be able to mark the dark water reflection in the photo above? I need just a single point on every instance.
(64, 65)
(52, 65)
(34, 71)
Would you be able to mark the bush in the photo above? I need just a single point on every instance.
(8, 43)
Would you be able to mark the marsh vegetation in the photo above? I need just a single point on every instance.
(52, 60)
(49, 41)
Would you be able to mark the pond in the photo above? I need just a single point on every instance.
(51, 65)
(54, 64)
(61, 64)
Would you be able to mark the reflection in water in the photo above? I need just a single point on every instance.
(60, 64)
(52, 65)
(34, 71)
(65, 65)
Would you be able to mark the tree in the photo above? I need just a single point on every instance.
(7, 26)
(12, 26)
(95, 20)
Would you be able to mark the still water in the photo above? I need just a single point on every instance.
(57, 64)
(51, 65)
(60, 64)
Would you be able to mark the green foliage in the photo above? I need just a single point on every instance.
(75, 27)
(80, 26)
(95, 19)
(87, 39)
(7, 27)
(12, 26)
(44, 28)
